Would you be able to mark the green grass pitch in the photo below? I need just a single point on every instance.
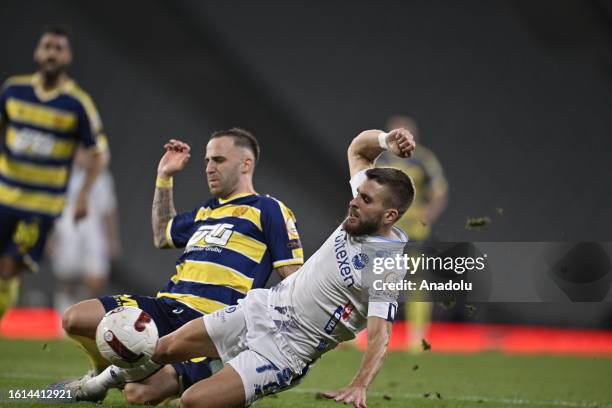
(427, 380)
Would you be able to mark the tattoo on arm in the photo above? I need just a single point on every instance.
(163, 211)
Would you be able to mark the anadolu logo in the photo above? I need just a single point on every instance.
(360, 261)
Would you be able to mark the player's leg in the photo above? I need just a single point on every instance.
(22, 241)
(246, 378)
(189, 341)
(9, 267)
(248, 375)
(80, 322)
(9, 283)
(157, 388)
(224, 389)
(83, 318)
(171, 381)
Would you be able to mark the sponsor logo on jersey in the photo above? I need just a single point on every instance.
(240, 211)
(292, 229)
(346, 312)
(360, 261)
(342, 260)
(341, 313)
(33, 142)
(206, 235)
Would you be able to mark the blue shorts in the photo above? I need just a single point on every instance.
(23, 235)
(168, 315)
(190, 372)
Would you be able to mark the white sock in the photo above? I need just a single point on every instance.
(110, 377)
(114, 376)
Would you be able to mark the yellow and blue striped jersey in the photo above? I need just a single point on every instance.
(42, 130)
(231, 246)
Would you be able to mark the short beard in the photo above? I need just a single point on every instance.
(52, 76)
(367, 227)
(229, 185)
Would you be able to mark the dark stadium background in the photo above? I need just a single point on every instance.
(513, 96)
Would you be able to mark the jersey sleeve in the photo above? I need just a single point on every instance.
(357, 180)
(282, 237)
(90, 125)
(383, 304)
(179, 229)
(384, 310)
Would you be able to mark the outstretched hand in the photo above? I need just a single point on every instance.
(401, 142)
(174, 159)
(352, 394)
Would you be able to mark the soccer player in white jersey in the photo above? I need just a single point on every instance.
(269, 340)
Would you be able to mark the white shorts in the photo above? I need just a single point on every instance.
(80, 251)
(257, 353)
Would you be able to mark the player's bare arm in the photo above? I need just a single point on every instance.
(96, 163)
(379, 332)
(174, 160)
(284, 271)
(368, 145)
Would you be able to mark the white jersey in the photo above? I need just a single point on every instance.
(322, 305)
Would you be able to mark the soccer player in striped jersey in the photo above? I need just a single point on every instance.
(231, 244)
(43, 119)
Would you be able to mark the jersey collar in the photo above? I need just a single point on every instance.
(399, 236)
(235, 196)
(44, 95)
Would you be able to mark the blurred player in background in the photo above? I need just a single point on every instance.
(44, 117)
(271, 338)
(81, 252)
(430, 201)
(232, 243)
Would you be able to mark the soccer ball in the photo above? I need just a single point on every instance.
(127, 336)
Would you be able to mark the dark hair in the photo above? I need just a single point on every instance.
(57, 30)
(242, 138)
(400, 186)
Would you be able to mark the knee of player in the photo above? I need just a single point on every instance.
(190, 400)
(163, 350)
(70, 320)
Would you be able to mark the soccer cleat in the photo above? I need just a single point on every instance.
(80, 389)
